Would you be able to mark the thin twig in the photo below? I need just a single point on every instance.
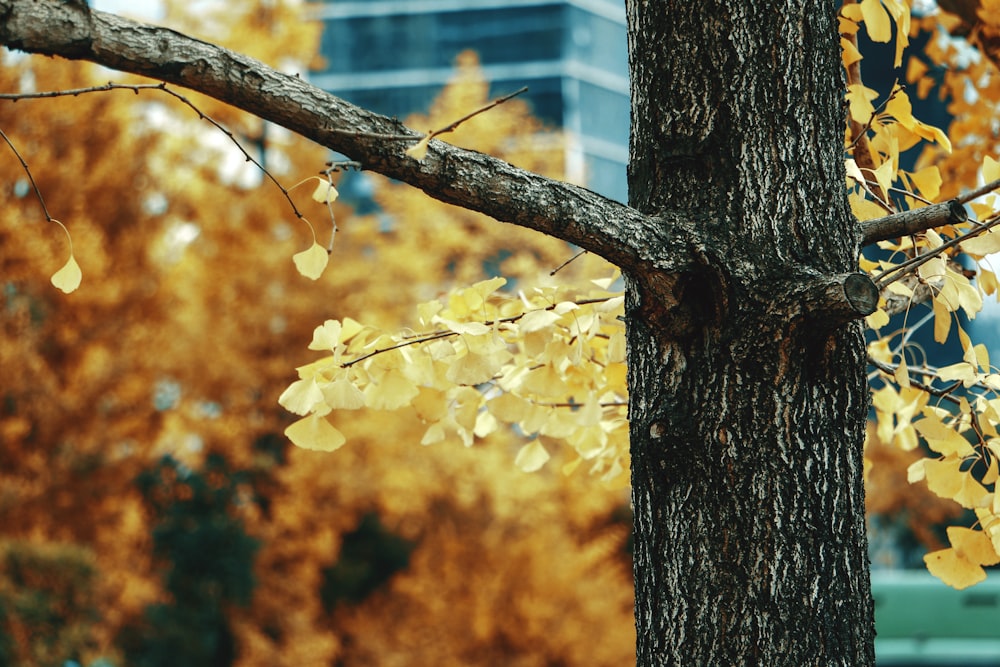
(979, 192)
(435, 335)
(136, 88)
(915, 262)
(31, 179)
(566, 263)
(497, 102)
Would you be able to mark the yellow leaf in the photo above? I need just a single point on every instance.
(961, 371)
(418, 151)
(68, 277)
(301, 396)
(876, 20)
(864, 209)
(324, 192)
(973, 545)
(884, 175)
(987, 280)
(537, 320)
(849, 53)
(330, 334)
(544, 381)
(927, 181)
(900, 108)
(986, 243)
(944, 476)
(941, 438)
(860, 100)
(315, 432)
(877, 320)
(991, 169)
(992, 473)
(485, 424)
(915, 68)
(915, 471)
(616, 348)
(341, 394)
(471, 328)
(312, 261)
(392, 391)
(435, 433)
(902, 374)
(531, 457)
(942, 321)
(473, 368)
(953, 569)
(509, 408)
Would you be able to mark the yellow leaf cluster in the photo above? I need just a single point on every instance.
(549, 363)
(947, 413)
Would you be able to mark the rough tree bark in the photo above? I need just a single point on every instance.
(747, 421)
(746, 359)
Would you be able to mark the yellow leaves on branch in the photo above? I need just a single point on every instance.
(875, 14)
(312, 261)
(549, 363)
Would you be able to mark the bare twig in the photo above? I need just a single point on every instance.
(430, 135)
(31, 179)
(915, 262)
(136, 88)
(567, 263)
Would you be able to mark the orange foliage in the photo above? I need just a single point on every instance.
(181, 338)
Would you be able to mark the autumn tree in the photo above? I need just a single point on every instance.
(747, 394)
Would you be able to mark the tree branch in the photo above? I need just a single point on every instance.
(912, 221)
(465, 178)
(921, 219)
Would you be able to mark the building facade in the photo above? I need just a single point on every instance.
(394, 56)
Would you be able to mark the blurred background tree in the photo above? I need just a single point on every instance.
(150, 508)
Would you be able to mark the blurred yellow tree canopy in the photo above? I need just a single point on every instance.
(178, 345)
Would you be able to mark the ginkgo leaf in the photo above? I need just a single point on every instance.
(941, 438)
(531, 457)
(927, 181)
(332, 333)
(953, 569)
(984, 244)
(418, 151)
(341, 394)
(876, 20)
(860, 100)
(315, 432)
(434, 433)
(324, 192)
(312, 261)
(68, 277)
(473, 369)
(991, 169)
(850, 53)
(878, 319)
(301, 396)
(392, 391)
(973, 545)
(537, 320)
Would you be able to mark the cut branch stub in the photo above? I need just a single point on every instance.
(827, 301)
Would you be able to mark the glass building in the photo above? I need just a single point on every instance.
(394, 56)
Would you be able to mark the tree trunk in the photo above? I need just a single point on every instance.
(746, 363)
(748, 399)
